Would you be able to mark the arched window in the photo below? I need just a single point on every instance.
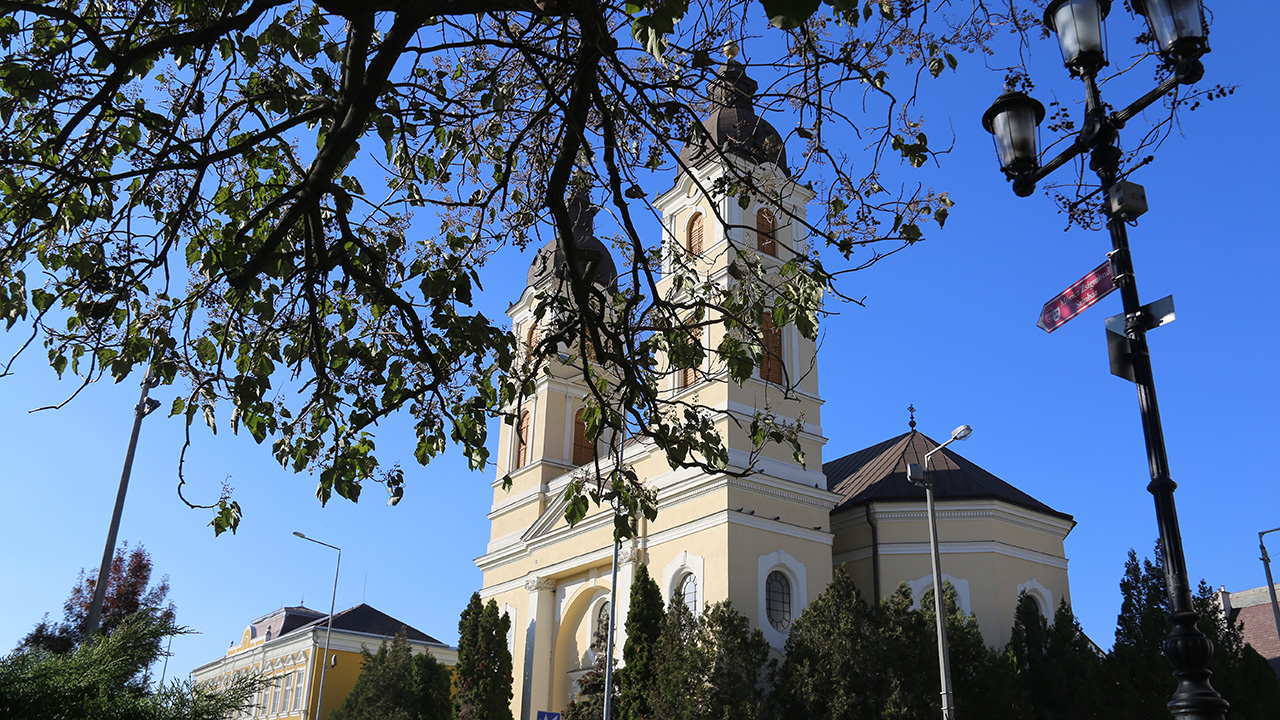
(693, 237)
(600, 634)
(522, 440)
(771, 359)
(1035, 605)
(777, 600)
(687, 592)
(531, 341)
(689, 375)
(583, 450)
(766, 232)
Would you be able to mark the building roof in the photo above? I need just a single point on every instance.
(369, 620)
(879, 474)
(1253, 608)
(282, 621)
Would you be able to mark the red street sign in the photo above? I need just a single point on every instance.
(1071, 302)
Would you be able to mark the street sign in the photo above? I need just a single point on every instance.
(1119, 349)
(1071, 302)
(545, 715)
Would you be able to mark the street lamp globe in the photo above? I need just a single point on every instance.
(1013, 120)
(961, 432)
(1177, 26)
(1081, 33)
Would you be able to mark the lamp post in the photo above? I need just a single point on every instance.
(144, 408)
(1271, 586)
(613, 611)
(328, 632)
(1178, 28)
(922, 476)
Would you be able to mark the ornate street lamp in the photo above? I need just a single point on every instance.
(1081, 33)
(1014, 120)
(1177, 27)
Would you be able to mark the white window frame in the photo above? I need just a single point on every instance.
(783, 562)
(685, 564)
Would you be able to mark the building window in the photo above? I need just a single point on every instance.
(522, 440)
(777, 593)
(766, 232)
(275, 695)
(600, 634)
(689, 375)
(771, 359)
(287, 699)
(583, 450)
(298, 687)
(687, 592)
(693, 237)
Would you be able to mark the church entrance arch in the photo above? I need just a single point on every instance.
(575, 653)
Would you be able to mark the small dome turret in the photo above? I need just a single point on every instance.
(549, 263)
(733, 125)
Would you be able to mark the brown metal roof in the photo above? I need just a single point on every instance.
(879, 474)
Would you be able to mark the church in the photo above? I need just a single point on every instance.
(768, 540)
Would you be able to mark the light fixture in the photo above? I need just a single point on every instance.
(961, 432)
(1177, 26)
(1081, 33)
(1014, 120)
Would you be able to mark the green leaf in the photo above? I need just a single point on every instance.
(789, 14)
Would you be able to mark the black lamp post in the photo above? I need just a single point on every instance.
(1177, 27)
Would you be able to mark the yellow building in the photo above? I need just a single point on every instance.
(280, 646)
(768, 540)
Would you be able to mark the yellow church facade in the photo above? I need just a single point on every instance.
(770, 531)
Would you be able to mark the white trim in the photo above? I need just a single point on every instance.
(511, 631)
(1042, 595)
(977, 547)
(781, 561)
(976, 509)
(922, 585)
(685, 564)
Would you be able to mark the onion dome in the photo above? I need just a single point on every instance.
(733, 126)
(592, 255)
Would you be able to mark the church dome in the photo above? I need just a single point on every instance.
(549, 263)
(733, 125)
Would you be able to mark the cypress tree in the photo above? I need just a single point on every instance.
(484, 663)
(644, 627)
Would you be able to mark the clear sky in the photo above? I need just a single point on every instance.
(949, 325)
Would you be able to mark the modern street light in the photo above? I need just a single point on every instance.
(1179, 31)
(328, 632)
(923, 476)
(1271, 586)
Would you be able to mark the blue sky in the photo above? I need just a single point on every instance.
(949, 325)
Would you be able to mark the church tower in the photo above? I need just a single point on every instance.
(758, 533)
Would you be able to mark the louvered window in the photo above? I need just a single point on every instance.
(771, 360)
(583, 451)
(522, 440)
(689, 375)
(766, 232)
(693, 242)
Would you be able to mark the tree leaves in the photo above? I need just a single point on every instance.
(287, 209)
